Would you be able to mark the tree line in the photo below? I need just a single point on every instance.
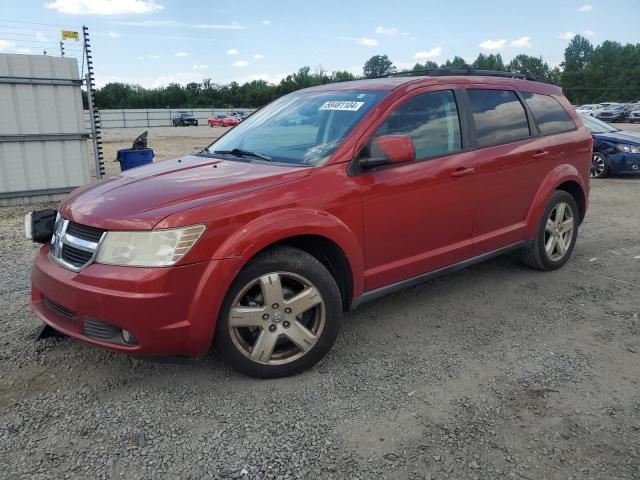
(588, 74)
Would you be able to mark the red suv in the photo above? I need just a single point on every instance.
(324, 199)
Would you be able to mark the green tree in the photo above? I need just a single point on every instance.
(489, 62)
(456, 62)
(527, 64)
(378, 66)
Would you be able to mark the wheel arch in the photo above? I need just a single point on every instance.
(320, 234)
(564, 177)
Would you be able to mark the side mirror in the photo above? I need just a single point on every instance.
(389, 150)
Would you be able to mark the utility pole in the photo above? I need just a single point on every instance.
(94, 114)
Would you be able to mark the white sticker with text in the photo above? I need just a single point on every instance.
(341, 105)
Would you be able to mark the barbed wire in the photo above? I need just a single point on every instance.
(35, 38)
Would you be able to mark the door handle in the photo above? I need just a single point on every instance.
(541, 154)
(463, 172)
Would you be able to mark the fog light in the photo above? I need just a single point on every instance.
(128, 337)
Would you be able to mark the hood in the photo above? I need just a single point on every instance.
(622, 136)
(139, 198)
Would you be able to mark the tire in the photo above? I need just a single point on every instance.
(210, 124)
(195, 124)
(257, 340)
(537, 255)
(599, 165)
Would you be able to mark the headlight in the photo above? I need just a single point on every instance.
(153, 248)
(628, 148)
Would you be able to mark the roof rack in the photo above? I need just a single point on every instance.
(468, 70)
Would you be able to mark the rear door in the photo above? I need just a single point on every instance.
(418, 216)
(513, 158)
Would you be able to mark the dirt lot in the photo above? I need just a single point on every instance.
(166, 142)
(497, 371)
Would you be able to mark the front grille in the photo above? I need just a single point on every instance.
(59, 309)
(74, 245)
(75, 256)
(102, 331)
(84, 232)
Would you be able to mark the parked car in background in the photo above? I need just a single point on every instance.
(223, 121)
(614, 151)
(260, 242)
(183, 119)
(590, 109)
(614, 113)
(633, 115)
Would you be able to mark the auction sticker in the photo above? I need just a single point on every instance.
(341, 105)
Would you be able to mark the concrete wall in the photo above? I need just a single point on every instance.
(157, 117)
(43, 147)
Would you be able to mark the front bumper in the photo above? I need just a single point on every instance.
(170, 311)
(611, 118)
(624, 163)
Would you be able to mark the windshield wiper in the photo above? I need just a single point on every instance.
(238, 152)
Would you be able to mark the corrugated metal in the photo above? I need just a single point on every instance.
(157, 117)
(31, 165)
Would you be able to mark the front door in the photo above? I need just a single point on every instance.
(418, 216)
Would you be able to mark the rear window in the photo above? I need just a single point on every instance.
(550, 116)
(499, 117)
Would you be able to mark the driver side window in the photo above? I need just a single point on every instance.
(431, 120)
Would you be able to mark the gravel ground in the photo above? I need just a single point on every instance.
(496, 371)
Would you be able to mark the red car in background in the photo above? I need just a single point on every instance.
(223, 121)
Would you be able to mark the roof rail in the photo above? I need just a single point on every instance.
(468, 70)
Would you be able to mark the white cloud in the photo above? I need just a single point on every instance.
(240, 63)
(493, 44)
(522, 42)
(258, 56)
(566, 36)
(24, 50)
(112, 34)
(391, 31)
(173, 23)
(41, 37)
(104, 7)
(368, 42)
(589, 33)
(182, 54)
(424, 54)
(200, 66)
(153, 57)
(6, 45)
(585, 8)
(232, 51)
(266, 22)
(218, 26)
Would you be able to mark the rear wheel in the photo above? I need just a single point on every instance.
(599, 165)
(280, 316)
(556, 236)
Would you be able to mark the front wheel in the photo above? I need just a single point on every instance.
(280, 316)
(599, 165)
(557, 233)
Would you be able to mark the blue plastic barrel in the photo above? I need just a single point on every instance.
(130, 158)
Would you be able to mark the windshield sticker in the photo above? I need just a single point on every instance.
(341, 105)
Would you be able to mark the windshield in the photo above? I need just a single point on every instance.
(302, 128)
(613, 108)
(597, 126)
(585, 107)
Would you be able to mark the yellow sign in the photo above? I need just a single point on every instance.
(70, 34)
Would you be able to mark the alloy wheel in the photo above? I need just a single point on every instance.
(597, 165)
(277, 318)
(558, 233)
